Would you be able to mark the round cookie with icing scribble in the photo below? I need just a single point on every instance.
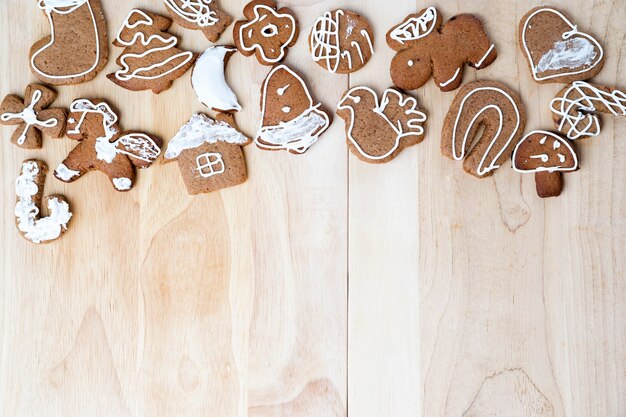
(341, 41)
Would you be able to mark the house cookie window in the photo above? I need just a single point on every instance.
(209, 164)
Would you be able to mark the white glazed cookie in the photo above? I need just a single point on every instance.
(209, 81)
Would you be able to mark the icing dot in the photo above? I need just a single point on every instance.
(286, 109)
(410, 62)
(357, 99)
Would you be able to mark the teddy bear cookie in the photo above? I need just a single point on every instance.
(204, 15)
(341, 41)
(556, 51)
(208, 79)
(575, 108)
(378, 130)
(546, 155)
(104, 147)
(267, 32)
(150, 59)
(77, 48)
(209, 153)
(29, 190)
(424, 48)
(32, 116)
(496, 109)
(290, 119)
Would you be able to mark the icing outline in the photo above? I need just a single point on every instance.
(199, 13)
(545, 169)
(416, 27)
(29, 118)
(258, 47)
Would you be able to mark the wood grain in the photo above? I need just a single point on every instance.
(323, 286)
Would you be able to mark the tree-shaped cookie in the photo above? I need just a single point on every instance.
(104, 147)
(547, 155)
(32, 116)
(150, 60)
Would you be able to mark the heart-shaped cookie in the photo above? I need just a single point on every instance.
(556, 50)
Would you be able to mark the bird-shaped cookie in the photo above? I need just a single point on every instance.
(376, 131)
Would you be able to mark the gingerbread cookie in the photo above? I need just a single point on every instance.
(77, 48)
(546, 155)
(575, 108)
(290, 120)
(29, 191)
(425, 48)
(341, 41)
(150, 60)
(267, 32)
(377, 132)
(32, 116)
(209, 153)
(104, 147)
(209, 81)
(495, 108)
(204, 15)
(555, 50)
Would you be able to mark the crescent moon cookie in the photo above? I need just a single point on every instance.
(424, 48)
(209, 81)
(556, 51)
(150, 59)
(575, 108)
(266, 32)
(341, 41)
(290, 119)
(29, 190)
(546, 155)
(204, 15)
(77, 48)
(496, 109)
(32, 117)
(104, 147)
(377, 131)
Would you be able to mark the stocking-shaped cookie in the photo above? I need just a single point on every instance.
(150, 60)
(104, 147)
(32, 116)
(77, 47)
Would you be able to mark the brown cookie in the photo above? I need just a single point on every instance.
(377, 131)
(209, 153)
(150, 60)
(32, 116)
(425, 48)
(77, 49)
(546, 155)
(341, 41)
(208, 79)
(204, 15)
(556, 51)
(488, 107)
(29, 190)
(266, 32)
(575, 108)
(104, 147)
(290, 119)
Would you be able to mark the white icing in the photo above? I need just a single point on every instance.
(544, 157)
(408, 103)
(29, 117)
(201, 129)
(257, 47)
(570, 56)
(139, 146)
(26, 211)
(416, 27)
(325, 41)
(64, 173)
(576, 113)
(64, 7)
(481, 169)
(209, 81)
(456, 74)
(481, 60)
(570, 53)
(207, 162)
(122, 184)
(194, 11)
(297, 134)
(125, 73)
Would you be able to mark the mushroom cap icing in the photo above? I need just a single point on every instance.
(544, 151)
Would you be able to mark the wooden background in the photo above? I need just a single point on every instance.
(324, 286)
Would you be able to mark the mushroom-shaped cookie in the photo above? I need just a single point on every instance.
(547, 155)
